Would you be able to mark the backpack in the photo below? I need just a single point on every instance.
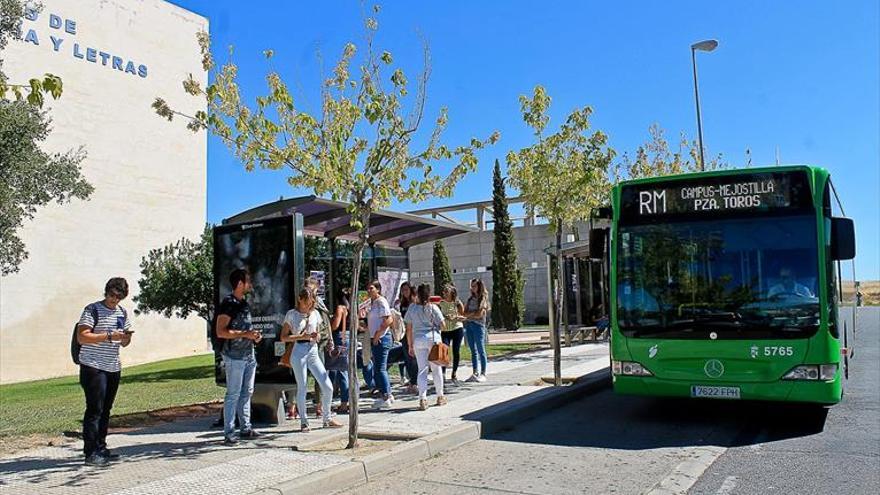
(216, 341)
(324, 333)
(398, 328)
(75, 346)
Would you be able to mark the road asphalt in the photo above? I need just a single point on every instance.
(606, 443)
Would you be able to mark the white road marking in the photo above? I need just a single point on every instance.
(727, 486)
(683, 477)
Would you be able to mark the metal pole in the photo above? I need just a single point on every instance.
(699, 118)
(551, 311)
(557, 320)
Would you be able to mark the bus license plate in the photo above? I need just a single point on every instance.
(715, 392)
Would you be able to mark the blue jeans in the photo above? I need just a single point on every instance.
(366, 368)
(239, 389)
(340, 378)
(476, 332)
(410, 366)
(380, 364)
(305, 357)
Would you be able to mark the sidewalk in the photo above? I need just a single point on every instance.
(187, 457)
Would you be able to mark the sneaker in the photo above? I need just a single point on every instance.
(472, 379)
(441, 401)
(304, 428)
(390, 399)
(332, 424)
(105, 453)
(381, 404)
(96, 460)
(251, 434)
(423, 404)
(230, 441)
(481, 378)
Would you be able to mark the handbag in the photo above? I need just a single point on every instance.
(336, 359)
(439, 353)
(285, 358)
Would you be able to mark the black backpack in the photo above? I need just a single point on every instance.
(75, 346)
(216, 341)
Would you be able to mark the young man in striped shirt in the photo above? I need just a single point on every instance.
(100, 368)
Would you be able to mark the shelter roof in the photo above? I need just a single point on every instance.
(328, 218)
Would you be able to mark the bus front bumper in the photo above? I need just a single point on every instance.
(820, 392)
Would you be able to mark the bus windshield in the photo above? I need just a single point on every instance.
(732, 278)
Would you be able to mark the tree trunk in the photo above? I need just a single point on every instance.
(557, 320)
(354, 383)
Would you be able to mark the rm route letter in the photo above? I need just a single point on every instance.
(651, 202)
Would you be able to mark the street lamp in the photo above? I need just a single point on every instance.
(703, 46)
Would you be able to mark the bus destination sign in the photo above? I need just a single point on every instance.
(720, 195)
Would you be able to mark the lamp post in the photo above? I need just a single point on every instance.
(704, 46)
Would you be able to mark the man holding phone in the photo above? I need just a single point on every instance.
(239, 360)
(100, 368)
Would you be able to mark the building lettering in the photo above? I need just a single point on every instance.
(83, 52)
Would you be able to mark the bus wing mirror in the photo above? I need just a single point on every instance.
(603, 212)
(843, 239)
(598, 238)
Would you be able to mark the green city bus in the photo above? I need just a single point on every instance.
(732, 284)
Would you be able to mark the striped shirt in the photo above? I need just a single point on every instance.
(103, 355)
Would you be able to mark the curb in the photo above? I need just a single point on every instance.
(495, 418)
(509, 414)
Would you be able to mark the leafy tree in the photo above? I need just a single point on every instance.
(442, 272)
(564, 175)
(655, 158)
(357, 148)
(178, 279)
(29, 177)
(507, 278)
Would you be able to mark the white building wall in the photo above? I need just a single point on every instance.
(149, 177)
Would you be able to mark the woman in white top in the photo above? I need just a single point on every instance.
(424, 322)
(301, 328)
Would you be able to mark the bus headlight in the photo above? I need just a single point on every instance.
(824, 372)
(629, 368)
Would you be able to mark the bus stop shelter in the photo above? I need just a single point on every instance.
(386, 258)
(585, 291)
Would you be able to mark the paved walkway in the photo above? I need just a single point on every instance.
(187, 457)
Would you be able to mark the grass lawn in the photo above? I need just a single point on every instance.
(50, 407)
(56, 405)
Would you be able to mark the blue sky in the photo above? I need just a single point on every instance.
(803, 77)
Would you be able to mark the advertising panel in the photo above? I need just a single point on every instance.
(266, 249)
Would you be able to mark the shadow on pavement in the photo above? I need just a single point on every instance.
(606, 420)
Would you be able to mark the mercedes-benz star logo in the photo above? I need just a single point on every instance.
(713, 368)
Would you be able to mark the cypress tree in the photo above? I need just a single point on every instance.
(442, 272)
(507, 278)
